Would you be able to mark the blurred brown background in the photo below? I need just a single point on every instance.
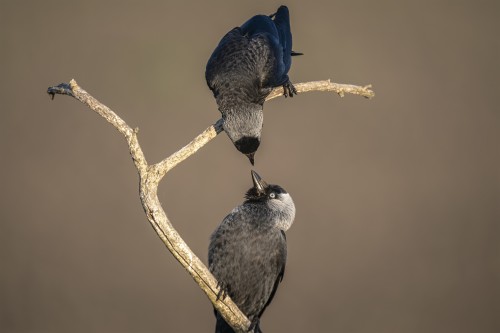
(397, 226)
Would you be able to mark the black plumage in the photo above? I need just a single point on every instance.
(246, 65)
(247, 251)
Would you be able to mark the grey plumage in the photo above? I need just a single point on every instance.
(247, 251)
(246, 65)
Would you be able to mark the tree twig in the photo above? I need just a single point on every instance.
(326, 85)
(151, 175)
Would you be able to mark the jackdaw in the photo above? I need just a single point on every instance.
(247, 251)
(244, 68)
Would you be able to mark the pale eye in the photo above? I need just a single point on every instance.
(272, 195)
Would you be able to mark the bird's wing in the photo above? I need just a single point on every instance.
(216, 241)
(257, 25)
(281, 257)
(267, 48)
(222, 57)
(282, 22)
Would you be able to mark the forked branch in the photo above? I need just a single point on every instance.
(150, 176)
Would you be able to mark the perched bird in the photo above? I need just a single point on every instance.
(244, 68)
(247, 251)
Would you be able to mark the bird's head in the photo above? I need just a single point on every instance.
(248, 145)
(275, 197)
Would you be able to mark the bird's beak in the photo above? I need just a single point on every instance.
(250, 157)
(258, 182)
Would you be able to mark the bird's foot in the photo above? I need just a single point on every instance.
(222, 293)
(289, 89)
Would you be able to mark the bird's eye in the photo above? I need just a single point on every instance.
(272, 195)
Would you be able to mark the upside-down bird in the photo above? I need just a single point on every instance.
(247, 251)
(244, 68)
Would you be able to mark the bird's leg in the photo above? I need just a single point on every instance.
(289, 89)
(222, 293)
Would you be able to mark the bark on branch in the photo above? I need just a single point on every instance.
(151, 175)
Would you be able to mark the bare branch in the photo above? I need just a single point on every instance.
(212, 131)
(74, 90)
(202, 139)
(327, 85)
(181, 251)
(150, 176)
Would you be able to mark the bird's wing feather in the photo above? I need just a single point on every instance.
(282, 263)
(220, 59)
(282, 22)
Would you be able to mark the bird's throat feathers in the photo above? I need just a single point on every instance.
(244, 120)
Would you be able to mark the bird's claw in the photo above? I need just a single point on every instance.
(222, 293)
(289, 89)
